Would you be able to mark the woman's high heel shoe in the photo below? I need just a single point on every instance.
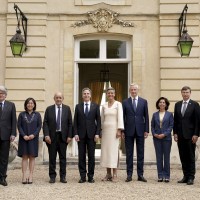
(24, 182)
(114, 178)
(30, 182)
(107, 178)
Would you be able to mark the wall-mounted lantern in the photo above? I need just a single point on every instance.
(18, 42)
(185, 41)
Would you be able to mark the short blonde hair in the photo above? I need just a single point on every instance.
(110, 88)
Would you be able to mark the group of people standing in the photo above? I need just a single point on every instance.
(128, 120)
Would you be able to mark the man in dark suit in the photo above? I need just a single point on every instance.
(7, 132)
(87, 127)
(136, 128)
(186, 133)
(57, 128)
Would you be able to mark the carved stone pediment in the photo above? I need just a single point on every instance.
(102, 19)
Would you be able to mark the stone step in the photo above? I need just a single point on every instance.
(73, 161)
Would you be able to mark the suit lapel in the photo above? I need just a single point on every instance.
(157, 117)
(5, 107)
(131, 104)
(53, 111)
(64, 112)
(82, 109)
(165, 117)
(179, 105)
(188, 107)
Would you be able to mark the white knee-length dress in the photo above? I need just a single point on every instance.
(111, 119)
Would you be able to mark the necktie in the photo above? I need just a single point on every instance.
(134, 105)
(86, 109)
(58, 120)
(184, 108)
(0, 109)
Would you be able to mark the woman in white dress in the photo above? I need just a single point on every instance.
(112, 125)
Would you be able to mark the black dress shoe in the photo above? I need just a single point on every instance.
(141, 178)
(183, 180)
(3, 182)
(52, 180)
(82, 180)
(128, 179)
(160, 180)
(91, 180)
(25, 182)
(63, 180)
(166, 180)
(190, 182)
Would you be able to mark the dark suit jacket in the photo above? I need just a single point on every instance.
(188, 125)
(90, 125)
(167, 125)
(49, 124)
(8, 121)
(138, 120)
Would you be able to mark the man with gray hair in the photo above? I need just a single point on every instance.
(136, 128)
(7, 132)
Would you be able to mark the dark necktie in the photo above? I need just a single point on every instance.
(58, 120)
(86, 109)
(184, 108)
(134, 105)
(0, 109)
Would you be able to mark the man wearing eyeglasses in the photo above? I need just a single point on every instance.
(7, 132)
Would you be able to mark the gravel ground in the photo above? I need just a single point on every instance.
(41, 189)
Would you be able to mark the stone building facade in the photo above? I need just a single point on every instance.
(144, 33)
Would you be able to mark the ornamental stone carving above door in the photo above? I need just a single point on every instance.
(102, 19)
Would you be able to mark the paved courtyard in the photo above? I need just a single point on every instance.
(41, 189)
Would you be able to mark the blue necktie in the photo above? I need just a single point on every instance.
(86, 109)
(134, 105)
(58, 120)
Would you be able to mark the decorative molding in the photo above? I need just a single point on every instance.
(102, 19)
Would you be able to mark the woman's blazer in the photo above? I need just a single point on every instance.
(167, 124)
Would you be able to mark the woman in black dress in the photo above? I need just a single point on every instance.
(29, 125)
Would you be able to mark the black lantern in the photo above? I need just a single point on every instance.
(185, 41)
(18, 42)
(104, 74)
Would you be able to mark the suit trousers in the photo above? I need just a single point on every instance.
(60, 147)
(187, 157)
(163, 149)
(129, 144)
(4, 155)
(89, 145)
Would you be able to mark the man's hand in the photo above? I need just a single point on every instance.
(96, 138)
(175, 137)
(146, 134)
(76, 138)
(47, 139)
(194, 139)
(69, 140)
(123, 135)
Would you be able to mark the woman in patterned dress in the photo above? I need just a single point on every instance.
(29, 125)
